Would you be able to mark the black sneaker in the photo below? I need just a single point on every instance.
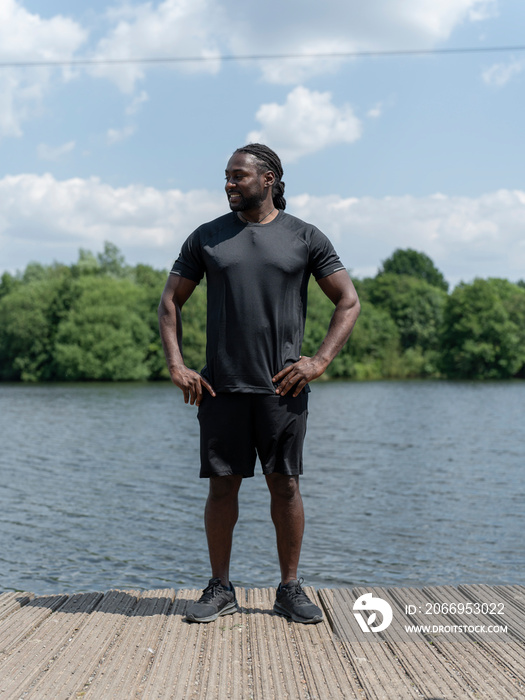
(293, 602)
(215, 600)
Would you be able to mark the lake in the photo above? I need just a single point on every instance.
(406, 483)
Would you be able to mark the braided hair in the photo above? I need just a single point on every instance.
(268, 160)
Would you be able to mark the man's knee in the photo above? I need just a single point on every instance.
(283, 486)
(224, 487)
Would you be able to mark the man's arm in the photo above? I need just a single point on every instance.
(176, 292)
(340, 289)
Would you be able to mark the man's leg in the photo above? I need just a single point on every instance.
(220, 516)
(288, 518)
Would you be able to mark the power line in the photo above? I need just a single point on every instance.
(256, 57)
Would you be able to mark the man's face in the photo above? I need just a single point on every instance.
(246, 187)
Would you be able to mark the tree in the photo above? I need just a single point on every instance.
(34, 272)
(87, 264)
(111, 261)
(373, 351)
(7, 284)
(414, 305)
(26, 335)
(152, 282)
(483, 331)
(410, 262)
(105, 335)
(194, 328)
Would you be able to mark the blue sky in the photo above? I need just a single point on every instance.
(381, 153)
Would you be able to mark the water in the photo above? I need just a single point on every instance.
(406, 484)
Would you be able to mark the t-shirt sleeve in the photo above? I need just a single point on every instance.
(323, 260)
(190, 263)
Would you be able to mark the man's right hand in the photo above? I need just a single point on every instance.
(190, 383)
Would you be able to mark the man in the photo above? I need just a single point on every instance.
(252, 393)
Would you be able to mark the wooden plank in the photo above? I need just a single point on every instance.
(35, 655)
(261, 661)
(77, 664)
(380, 674)
(122, 670)
(478, 672)
(13, 601)
(223, 657)
(137, 646)
(435, 675)
(509, 651)
(201, 660)
(275, 675)
(491, 657)
(327, 672)
(430, 673)
(15, 628)
(513, 597)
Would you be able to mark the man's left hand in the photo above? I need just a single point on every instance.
(298, 375)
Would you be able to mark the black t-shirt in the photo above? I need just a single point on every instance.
(257, 279)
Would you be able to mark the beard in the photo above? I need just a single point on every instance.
(246, 203)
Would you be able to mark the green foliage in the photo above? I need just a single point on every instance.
(7, 284)
(29, 317)
(320, 310)
(194, 328)
(97, 320)
(483, 336)
(416, 309)
(25, 332)
(104, 335)
(93, 320)
(87, 264)
(111, 261)
(151, 282)
(410, 262)
(374, 350)
(415, 306)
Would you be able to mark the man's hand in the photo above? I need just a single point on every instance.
(191, 384)
(305, 370)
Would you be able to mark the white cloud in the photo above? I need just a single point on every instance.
(46, 152)
(320, 58)
(137, 102)
(375, 111)
(45, 219)
(117, 135)
(307, 122)
(208, 28)
(484, 10)
(28, 37)
(465, 236)
(172, 28)
(342, 27)
(500, 74)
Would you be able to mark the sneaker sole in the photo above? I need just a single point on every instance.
(227, 610)
(305, 620)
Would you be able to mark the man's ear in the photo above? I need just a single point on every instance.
(269, 178)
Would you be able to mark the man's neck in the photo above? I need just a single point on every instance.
(262, 215)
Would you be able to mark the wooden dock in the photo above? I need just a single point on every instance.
(124, 645)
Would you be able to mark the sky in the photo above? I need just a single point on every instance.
(380, 152)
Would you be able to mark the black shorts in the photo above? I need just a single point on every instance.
(237, 427)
